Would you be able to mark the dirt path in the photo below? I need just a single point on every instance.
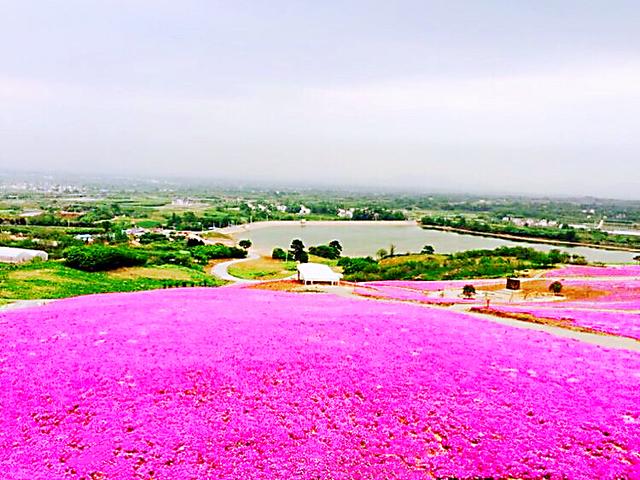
(606, 341)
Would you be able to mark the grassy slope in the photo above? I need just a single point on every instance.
(263, 268)
(54, 280)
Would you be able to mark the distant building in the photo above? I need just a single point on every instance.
(20, 255)
(182, 202)
(85, 237)
(31, 213)
(304, 210)
(344, 213)
(136, 231)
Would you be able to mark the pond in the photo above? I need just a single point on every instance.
(362, 239)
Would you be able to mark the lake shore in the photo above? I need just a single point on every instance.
(519, 238)
(248, 227)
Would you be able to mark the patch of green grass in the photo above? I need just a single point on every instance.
(53, 280)
(324, 261)
(264, 268)
(147, 223)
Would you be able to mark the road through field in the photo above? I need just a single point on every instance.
(221, 270)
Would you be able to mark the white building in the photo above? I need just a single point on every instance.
(20, 255)
(344, 213)
(304, 210)
(317, 272)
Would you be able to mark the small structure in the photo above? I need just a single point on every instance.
(20, 255)
(513, 284)
(85, 237)
(317, 273)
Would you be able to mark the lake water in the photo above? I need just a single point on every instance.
(367, 239)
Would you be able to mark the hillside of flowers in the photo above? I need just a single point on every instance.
(589, 271)
(626, 324)
(257, 384)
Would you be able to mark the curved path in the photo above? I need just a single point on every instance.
(221, 270)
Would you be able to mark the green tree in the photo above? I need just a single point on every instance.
(555, 288)
(468, 291)
(336, 244)
(278, 254)
(381, 253)
(297, 251)
(245, 244)
(428, 250)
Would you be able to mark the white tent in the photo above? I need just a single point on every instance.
(20, 255)
(316, 272)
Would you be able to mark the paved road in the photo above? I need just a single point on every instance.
(24, 304)
(221, 270)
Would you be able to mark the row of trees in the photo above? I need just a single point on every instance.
(94, 258)
(503, 261)
(564, 233)
(297, 251)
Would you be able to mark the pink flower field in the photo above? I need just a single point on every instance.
(617, 323)
(420, 291)
(256, 384)
(588, 271)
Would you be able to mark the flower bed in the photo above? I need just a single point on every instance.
(258, 384)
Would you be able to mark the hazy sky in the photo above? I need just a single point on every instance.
(534, 96)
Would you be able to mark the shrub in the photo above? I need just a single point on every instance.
(151, 237)
(555, 288)
(245, 244)
(194, 242)
(204, 253)
(352, 265)
(278, 254)
(325, 251)
(468, 291)
(99, 258)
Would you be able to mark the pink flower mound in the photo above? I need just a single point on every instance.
(256, 384)
(585, 271)
(617, 323)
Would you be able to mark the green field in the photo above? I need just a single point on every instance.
(50, 280)
(266, 268)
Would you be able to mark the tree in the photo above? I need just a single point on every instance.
(278, 254)
(381, 253)
(245, 244)
(392, 250)
(427, 250)
(637, 258)
(336, 244)
(297, 251)
(193, 242)
(468, 291)
(325, 251)
(555, 288)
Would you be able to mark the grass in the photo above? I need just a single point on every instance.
(49, 280)
(414, 257)
(147, 223)
(263, 268)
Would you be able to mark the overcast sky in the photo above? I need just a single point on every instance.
(504, 96)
